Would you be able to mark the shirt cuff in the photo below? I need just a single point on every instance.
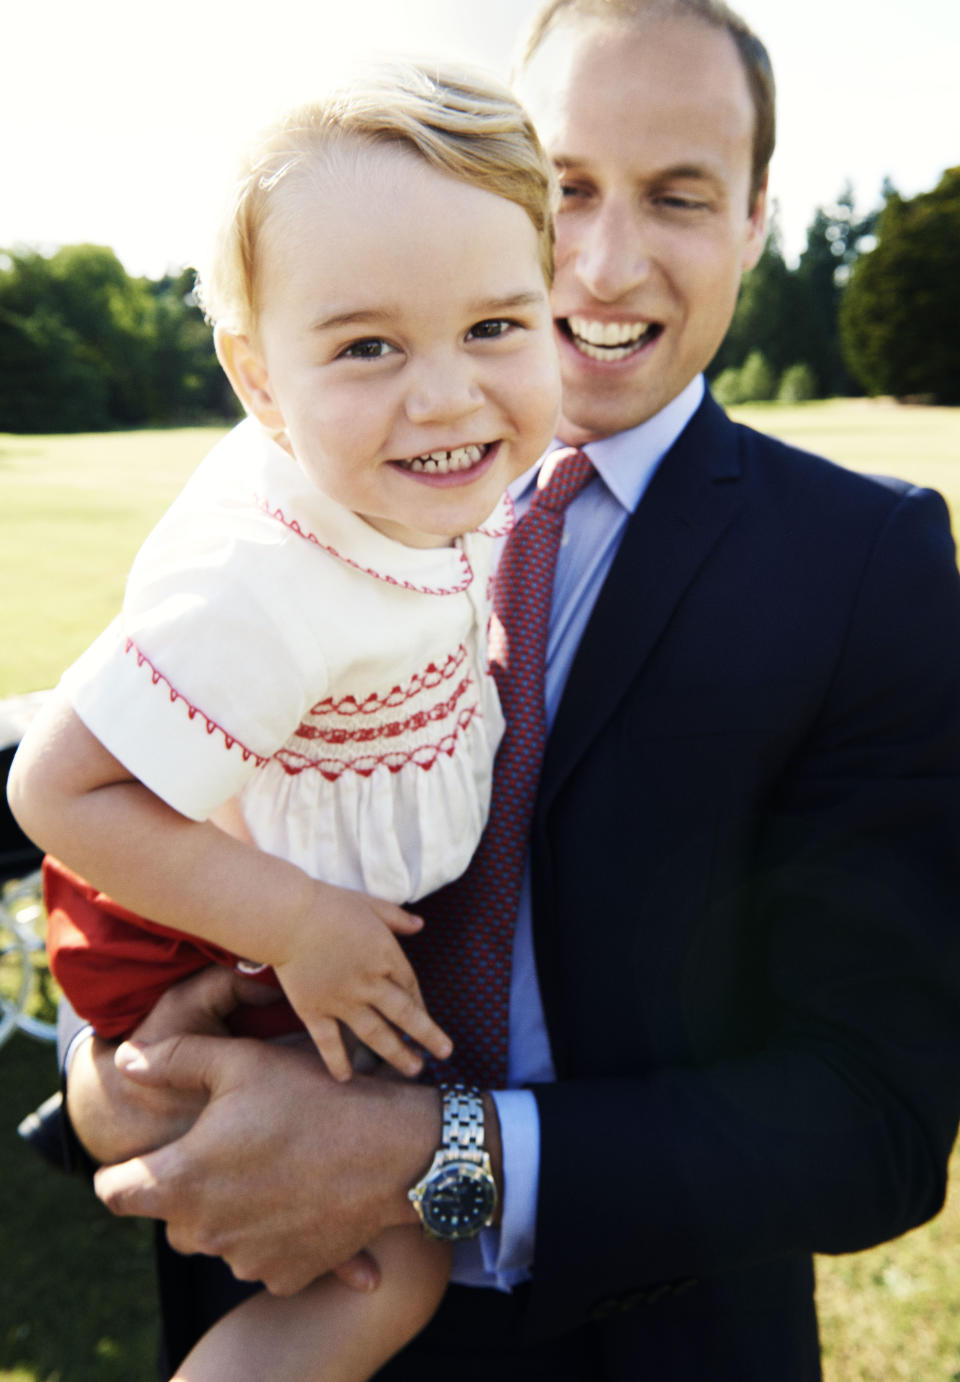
(509, 1253)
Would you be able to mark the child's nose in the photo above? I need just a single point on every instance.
(443, 391)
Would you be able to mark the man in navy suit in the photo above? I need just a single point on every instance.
(735, 1004)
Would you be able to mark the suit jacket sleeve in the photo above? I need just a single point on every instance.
(748, 901)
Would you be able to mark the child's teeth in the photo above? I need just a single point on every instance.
(443, 462)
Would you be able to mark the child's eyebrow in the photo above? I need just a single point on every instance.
(510, 302)
(378, 316)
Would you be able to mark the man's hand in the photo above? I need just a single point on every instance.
(285, 1174)
(116, 1118)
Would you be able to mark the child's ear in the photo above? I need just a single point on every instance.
(248, 375)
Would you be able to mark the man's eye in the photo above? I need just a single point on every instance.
(681, 203)
(490, 329)
(371, 348)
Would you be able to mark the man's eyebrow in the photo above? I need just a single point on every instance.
(689, 172)
(382, 315)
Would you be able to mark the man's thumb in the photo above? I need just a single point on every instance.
(182, 1062)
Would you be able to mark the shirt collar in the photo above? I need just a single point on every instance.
(283, 492)
(626, 461)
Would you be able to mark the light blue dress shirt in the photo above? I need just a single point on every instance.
(593, 527)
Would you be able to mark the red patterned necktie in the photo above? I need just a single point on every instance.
(463, 957)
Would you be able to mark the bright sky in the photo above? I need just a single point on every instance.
(117, 118)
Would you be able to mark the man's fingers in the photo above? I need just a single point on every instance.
(361, 1273)
(130, 1188)
(200, 1003)
(181, 1062)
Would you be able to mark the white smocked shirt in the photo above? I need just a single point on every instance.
(276, 648)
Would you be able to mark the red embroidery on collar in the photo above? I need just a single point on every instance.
(508, 523)
(291, 523)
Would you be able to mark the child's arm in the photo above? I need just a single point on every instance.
(333, 949)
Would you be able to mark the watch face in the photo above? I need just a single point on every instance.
(458, 1201)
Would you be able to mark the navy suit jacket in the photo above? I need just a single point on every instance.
(746, 887)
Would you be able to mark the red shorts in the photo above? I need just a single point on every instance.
(113, 965)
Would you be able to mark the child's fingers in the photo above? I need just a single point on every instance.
(400, 922)
(399, 1007)
(385, 1041)
(325, 1035)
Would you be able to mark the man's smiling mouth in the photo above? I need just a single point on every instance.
(446, 462)
(608, 340)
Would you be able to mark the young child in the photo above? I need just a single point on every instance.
(290, 729)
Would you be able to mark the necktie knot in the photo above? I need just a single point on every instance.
(563, 475)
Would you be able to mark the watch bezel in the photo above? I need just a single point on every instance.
(458, 1174)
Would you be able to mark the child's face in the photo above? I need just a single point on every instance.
(405, 342)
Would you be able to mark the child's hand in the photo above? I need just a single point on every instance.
(346, 966)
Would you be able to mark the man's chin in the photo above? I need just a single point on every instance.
(588, 416)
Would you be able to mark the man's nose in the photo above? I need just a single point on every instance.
(443, 390)
(613, 255)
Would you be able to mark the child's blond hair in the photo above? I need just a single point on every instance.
(459, 122)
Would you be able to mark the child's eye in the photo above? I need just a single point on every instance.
(370, 348)
(490, 329)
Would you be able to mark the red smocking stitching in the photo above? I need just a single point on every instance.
(294, 526)
(193, 711)
(509, 519)
(372, 704)
(393, 728)
(424, 756)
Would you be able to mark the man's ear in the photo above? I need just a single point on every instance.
(756, 229)
(244, 367)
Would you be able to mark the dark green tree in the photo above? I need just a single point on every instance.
(45, 383)
(102, 316)
(186, 375)
(765, 312)
(835, 240)
(791, 315)
(899, 312)
(84, 346)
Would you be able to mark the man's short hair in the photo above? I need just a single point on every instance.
(753, 54)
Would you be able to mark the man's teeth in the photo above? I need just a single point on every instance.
(608, 340)
(447, 462)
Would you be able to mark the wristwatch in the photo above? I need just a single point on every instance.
(457, 1195)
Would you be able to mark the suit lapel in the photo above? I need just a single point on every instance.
(691, 500)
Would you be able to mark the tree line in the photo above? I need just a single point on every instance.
(870, 307)
(86, 347)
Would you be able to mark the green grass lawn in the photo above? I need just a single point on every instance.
(73, 511)
(76, 1300)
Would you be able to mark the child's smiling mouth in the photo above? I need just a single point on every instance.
(454, 462)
